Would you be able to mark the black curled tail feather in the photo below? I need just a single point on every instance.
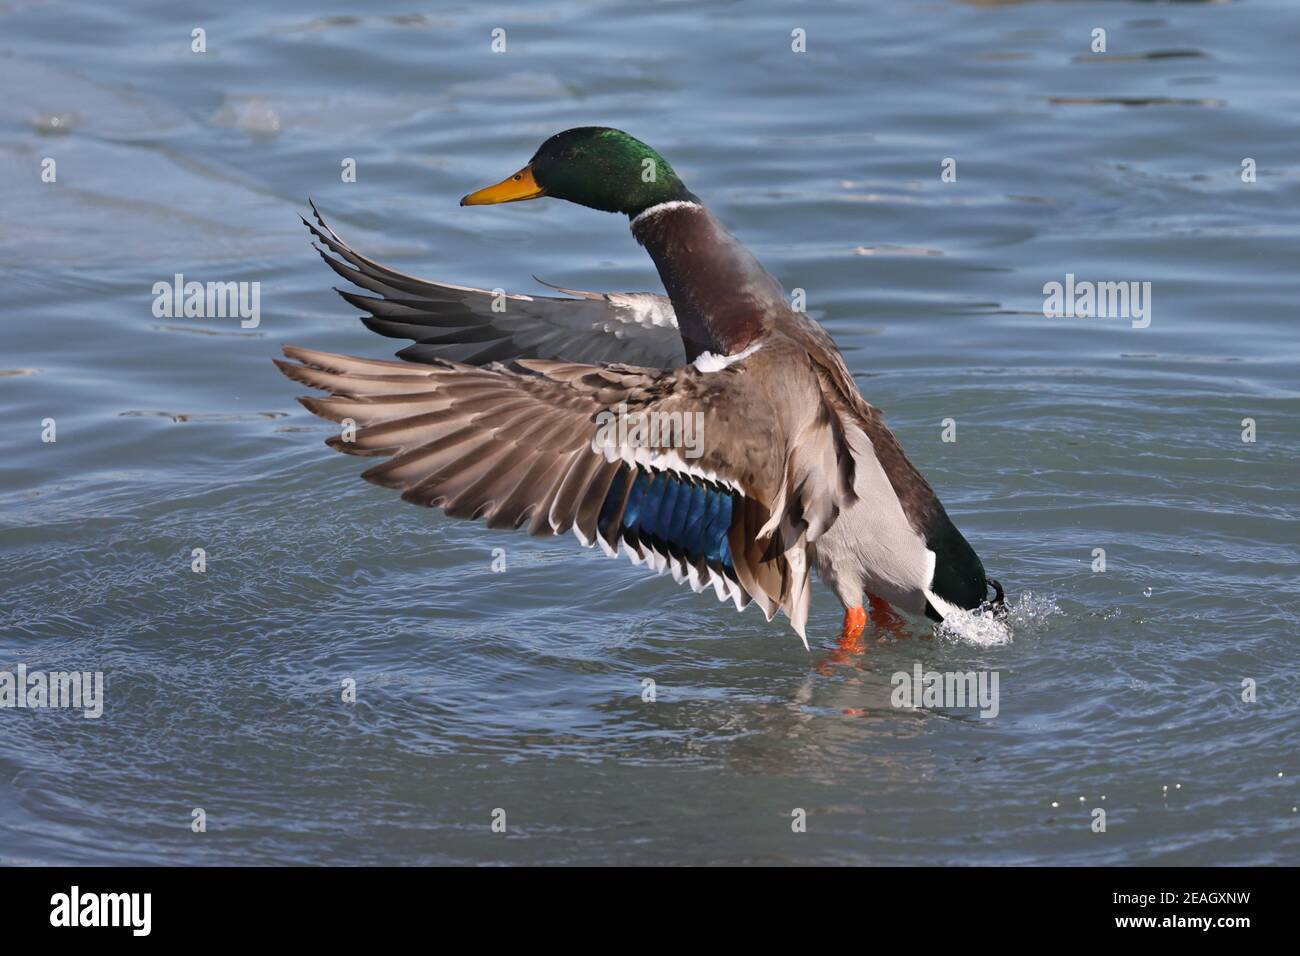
(998, 603)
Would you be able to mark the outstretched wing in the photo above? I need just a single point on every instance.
(554, 445)
(478, 326)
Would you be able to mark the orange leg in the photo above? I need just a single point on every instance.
(855, 622)
(851, 644)
(885, 615)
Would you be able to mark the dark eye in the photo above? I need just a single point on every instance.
(518, 176)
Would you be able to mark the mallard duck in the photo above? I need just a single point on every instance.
(505, 407)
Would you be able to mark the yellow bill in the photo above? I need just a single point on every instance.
(516, 188)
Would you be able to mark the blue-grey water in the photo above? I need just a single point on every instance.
(1120, 689)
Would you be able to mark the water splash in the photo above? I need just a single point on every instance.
(983, 629)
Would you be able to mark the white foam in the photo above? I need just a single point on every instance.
(984, 629)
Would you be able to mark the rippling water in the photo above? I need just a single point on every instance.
(522, 691)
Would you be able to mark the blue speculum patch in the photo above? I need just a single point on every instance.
(674, 515)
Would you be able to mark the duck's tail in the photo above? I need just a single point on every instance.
(998, 603)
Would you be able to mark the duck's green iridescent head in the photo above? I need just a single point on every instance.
(593, 166)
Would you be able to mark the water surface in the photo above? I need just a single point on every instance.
(523, 690)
